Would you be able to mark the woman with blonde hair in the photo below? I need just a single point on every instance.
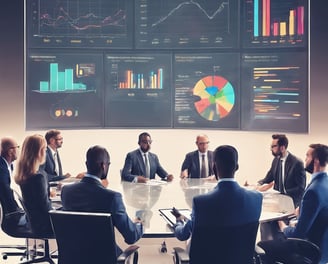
(34, 185)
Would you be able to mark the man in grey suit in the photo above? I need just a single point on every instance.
(141, 165)
(198, 163)
(89, 195)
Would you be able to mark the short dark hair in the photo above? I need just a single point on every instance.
(143, 134)
(96, 155)
(320, 152)
(282, 139)
(226, 160)
(51, 134)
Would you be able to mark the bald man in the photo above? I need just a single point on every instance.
(198, 163)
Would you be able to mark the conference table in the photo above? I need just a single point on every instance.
(144, 201)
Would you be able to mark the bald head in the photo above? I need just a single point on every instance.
(9, 148)
(202, 143)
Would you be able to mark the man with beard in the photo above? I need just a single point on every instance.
(313, 210)
(89, 195)
(287, 174)
(141, 165)
(52, 166)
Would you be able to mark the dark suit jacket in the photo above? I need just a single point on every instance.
(227, 205)
(12, 212)
(49, 167)
(35, 192)
(134, 166)
(89, 195)
(294, 180)
(314, 201)
(191, 162)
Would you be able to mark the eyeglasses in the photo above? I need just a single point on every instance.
(146, 141)
(203, 143)
(273, 146)
(13, 147)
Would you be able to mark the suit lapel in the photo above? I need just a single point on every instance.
(141, 162)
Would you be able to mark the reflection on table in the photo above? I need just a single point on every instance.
(144, 201)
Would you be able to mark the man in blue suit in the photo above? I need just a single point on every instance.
(228, 204)
(312, 221)
(89, 195)
(141, 165)
(198, 163)
(52, 166)
(14, 216)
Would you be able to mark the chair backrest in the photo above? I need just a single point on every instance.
(291, 251)
(223, 244)
(84, 237)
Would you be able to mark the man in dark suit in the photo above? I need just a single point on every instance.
(53, 166)
(312, 214)
(287, 174)
(141, 165)
(227, 205)
(89, 195)
(13, 214)
(199, 163)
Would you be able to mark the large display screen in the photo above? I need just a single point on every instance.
(64, 90)
(207, 90)
(138, 90)
(79, 23)
(184, 64)
(186, 24)
(274, 87)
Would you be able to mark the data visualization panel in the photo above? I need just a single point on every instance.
(274, 92)
(64, 90)
(138, 90)
(279, 23)
(186, 23)
(80, 23)
(206, 91)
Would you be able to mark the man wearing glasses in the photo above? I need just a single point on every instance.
(198, 163)
(141, 165)
(286, 175)
(53, 166)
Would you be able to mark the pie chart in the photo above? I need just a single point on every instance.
(216, 97)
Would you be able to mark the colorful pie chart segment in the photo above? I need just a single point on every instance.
(217, 97)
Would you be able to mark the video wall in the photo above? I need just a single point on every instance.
(204, 64)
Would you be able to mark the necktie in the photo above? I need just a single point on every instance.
(280, 177)
(56, 163)
(203, 167)
(147, 166)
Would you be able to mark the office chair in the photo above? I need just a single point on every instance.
(290, 251)
(85, 238)
(18, 233)
(36, 256)
(223, 244)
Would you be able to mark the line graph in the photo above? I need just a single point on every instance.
(80, 23)
(188, 23)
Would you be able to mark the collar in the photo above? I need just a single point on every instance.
(92, 177)
(8, 165)
(52, 151)
(227, 180)
(284, 157)
(202, 153)
(315, 175)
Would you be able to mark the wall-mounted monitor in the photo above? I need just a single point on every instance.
(274, 91)
(79, 23)
(138, 90)
(207, 90)
(278, 23)
(64, 90)
(186, 24)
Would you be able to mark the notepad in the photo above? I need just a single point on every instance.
(170, 218)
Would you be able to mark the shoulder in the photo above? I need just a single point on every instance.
(293, 158)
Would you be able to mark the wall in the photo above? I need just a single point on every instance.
(170, 145)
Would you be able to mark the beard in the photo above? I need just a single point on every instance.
(277, 154)
(310, 167)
